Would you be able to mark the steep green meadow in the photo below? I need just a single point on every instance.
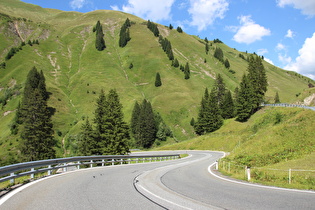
(76, 72)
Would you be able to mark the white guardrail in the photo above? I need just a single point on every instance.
(12, 172)
(290, 105)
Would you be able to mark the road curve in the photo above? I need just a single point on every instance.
(176, 184)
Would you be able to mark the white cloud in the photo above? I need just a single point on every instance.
(305, 62)
(148, 9)
(262, 51)
(269, 61)
(249, 32)
(307, 6)
(204, 12)
(290, 34)
(285, 59)
(77, 4)
(280, 47)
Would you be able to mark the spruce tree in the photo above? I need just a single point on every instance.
(209, 117)
(135, 121)
(227, 63)
(227, 107)
(158, 81)
(87, 142)
(244, 101)
(258, 80)
(218, 53)
(147, 125)
(37, 129)
(187, 71)
(111, 133)
(277, 98)
(99, 42)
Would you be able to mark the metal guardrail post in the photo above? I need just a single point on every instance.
(103, 162)
(121, 161)
(49, 171)
(78, 166)
(248, 173)
(113, 162)
(91, 165)
(12, 180)
(32, 175)
(65, 167)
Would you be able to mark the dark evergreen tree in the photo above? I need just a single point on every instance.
(176, 63)
(37, 129)
(277, 98)
(153, 27)
(112, 133)
(244, 101)
(258, 80)
(171, 27)
(99, 42)
(209, 117)
(227, 63)
(87, 144)
(192, 122)
(227, 107)
(124, 35)
(158, 81)
(219, 89)
(179, 29)
(147, 125)
(206, 40)
(116, 129)
(207, 48)
(135, 121)
(218, 53)
(187, 71)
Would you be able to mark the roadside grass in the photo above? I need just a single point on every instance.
(271, 142)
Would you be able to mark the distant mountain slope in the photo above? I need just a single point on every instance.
(76, 72)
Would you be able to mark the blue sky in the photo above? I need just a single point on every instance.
(283, 31)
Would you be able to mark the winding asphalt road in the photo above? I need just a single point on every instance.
(177, 184)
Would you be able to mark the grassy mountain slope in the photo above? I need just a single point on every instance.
(76, 72)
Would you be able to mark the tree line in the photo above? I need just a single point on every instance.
(99, 41)
(220, 105)
(147, 126)
(124, 35)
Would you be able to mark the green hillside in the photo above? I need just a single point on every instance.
(76, 72)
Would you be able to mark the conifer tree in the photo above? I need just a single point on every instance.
(87, 143)
(187, 71)
(135, 121)
(226, 63)
(258, 80)
(277, 98)
(218, 53)
(209, 117)
(227, 108)
(179, 29)
(207, 48)
(244, 101)
(124, 35)
(112, 132)
(158, 81)
(37, 129)
(219, 89)
(99, 42)
(147, 125)
(176, 63)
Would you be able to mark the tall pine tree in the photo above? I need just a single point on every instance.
(99, 42)
(37, 129)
